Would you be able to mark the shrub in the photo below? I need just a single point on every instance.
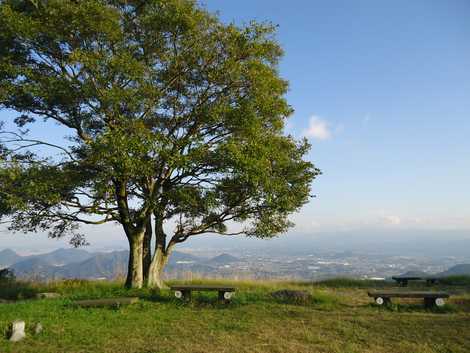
(7, 276)
(11, 289)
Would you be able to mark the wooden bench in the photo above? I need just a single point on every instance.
(403, 281)
(430, 298)
(184, 291)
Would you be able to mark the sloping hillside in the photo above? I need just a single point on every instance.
(73, 263)
(61, 257)
(57, 257)
(414, 274)
(336, 320)
(103, 265)
(8, 257)
(457, 270)
(223, 259)
(100, 265)
(34, 267)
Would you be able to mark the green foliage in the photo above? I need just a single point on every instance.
(7, 276)
(170, 113)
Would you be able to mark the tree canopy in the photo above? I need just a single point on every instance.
(168, 115)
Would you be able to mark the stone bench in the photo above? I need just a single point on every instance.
(430, 298)
(184, 291)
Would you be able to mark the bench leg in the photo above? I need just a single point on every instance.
(383, 301)
(221, 297)
(433, 302)
(187, 295)
(429, 302)
(225, 297)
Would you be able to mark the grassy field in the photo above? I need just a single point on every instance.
(339, 318)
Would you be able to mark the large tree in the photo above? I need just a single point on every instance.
(170, 116)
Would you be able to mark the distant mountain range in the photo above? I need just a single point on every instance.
(77, 263)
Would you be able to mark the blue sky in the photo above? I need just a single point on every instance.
(382, 91)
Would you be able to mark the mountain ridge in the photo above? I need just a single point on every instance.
(8, 257)
(77, 263)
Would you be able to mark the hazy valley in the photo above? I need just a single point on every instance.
(239, 264)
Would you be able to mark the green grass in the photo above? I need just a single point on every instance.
(339, 318)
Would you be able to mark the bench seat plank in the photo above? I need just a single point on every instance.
(403, 294)
(185, 287)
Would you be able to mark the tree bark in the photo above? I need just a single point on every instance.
(135, 273)
(160, 256)
(155, 278)
(147, 251)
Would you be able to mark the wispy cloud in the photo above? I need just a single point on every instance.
(318, 129)
(391, 220)
(385, 218)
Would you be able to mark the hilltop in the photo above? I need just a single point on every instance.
(223, 259)
(457, 270)
(339, 318)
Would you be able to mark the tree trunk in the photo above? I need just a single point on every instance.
(160, 259)
(135, 274)
(147, 252)
(160, 256)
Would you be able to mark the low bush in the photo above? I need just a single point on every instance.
(7, 276)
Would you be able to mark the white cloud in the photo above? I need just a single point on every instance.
(315, 219)
(385, 218)
(392, 220)
(318, 129)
